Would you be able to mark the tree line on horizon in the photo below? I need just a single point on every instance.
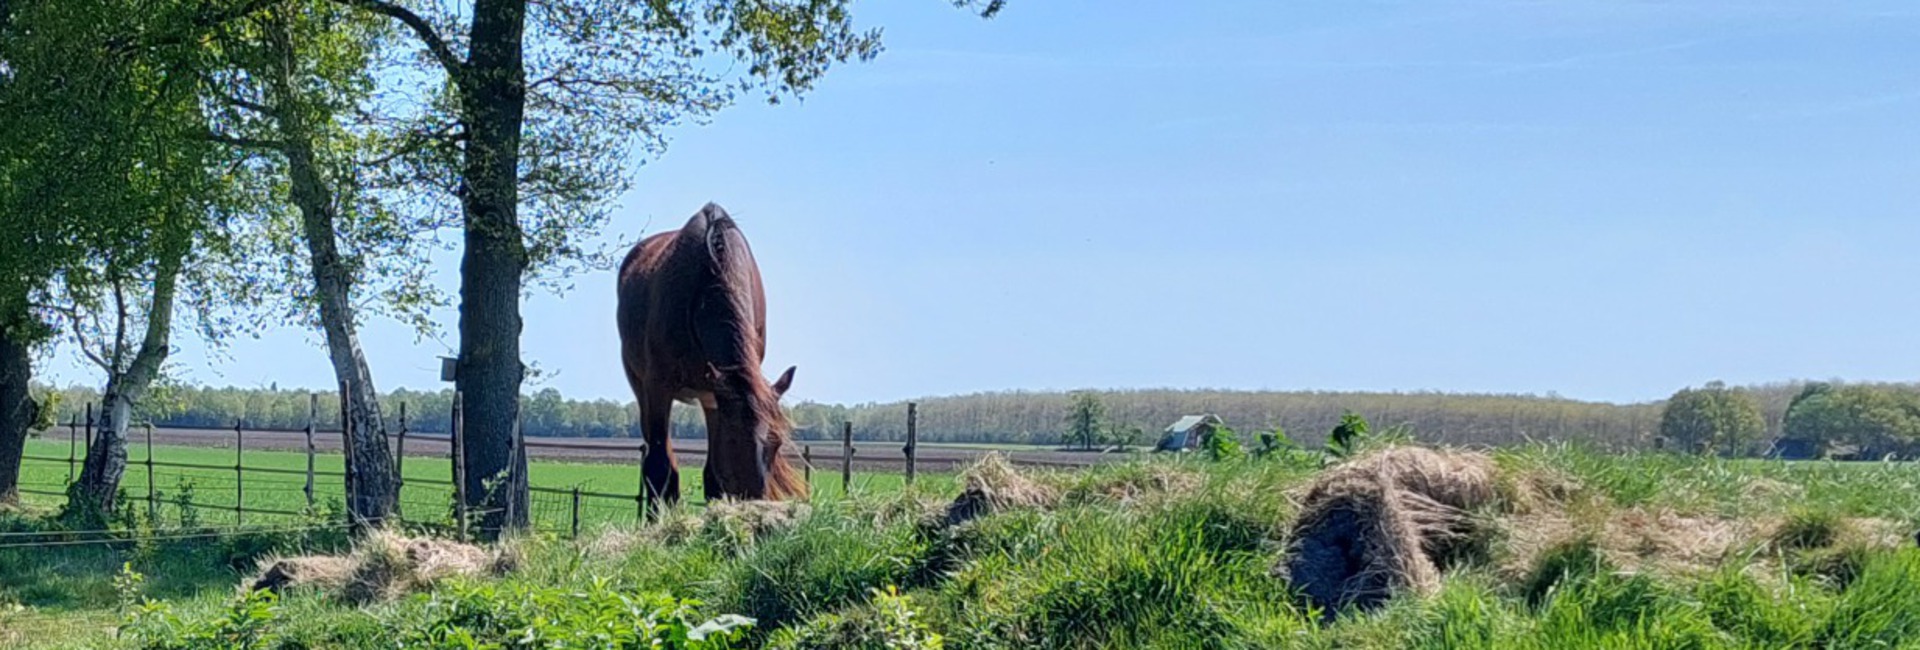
(1008, 417)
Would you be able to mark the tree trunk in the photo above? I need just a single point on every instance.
(94, 494)
(375, 490)
(493, 104)
(17, 409)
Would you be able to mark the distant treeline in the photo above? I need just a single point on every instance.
(1001, 417)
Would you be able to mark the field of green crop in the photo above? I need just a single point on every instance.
(1635, 551)
(426, 497)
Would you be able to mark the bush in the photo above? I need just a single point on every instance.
(518, 615)
(889, 622)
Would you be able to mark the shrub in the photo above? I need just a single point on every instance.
(518, 615)
(889, 622)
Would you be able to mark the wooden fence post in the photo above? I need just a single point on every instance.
(88, 448)
(313, 413)
(239, 475)
(846, 460)
(73, 444)
(346, 454)
(576, 512)
(513, 475)
(806, 465)
(913, 438)
(458, 448)
(400, 457)
(153, 510)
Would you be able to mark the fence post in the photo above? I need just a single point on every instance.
(313, 413)
(458, 449)
(239, 475)
(846, 460)
(400, 458)
(153, 510)
(88, 448)
(346, 453)
(73, 444)
(513, 474)
(806, 465)
(913, 437)
(576, 512)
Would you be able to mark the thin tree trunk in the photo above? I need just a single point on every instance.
(94, 494)
(374, 489)
(493, 103)
(17, 409)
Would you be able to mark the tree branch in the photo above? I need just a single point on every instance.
(235, 100)
(204, 21)
(456, 68)
(248, 143)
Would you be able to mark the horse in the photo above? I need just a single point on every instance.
(693, 328)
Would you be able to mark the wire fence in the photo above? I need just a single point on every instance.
(196, 491)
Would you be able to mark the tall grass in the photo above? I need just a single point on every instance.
(1123, 563)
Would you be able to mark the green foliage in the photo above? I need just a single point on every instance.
(1346, 438)
(1220, 443)
(600, 616)
(1274, 442)
(888, 622)
(1085, 413)
(246, 624)
(1878, 419)
(1712, 418)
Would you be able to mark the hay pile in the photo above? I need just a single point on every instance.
(382, 567)
(1384, 524)
(993, 485)
(736, 523)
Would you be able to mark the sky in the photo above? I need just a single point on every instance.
(1604, 199)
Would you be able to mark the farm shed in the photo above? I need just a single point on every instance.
(1186, 433)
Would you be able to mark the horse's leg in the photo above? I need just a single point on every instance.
(716, 468)
(662, 473)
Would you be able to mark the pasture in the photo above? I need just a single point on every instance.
(426, 497)
(1634, 551)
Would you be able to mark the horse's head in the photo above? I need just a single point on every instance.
(747, 408)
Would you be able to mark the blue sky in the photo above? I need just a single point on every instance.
(1607, 199)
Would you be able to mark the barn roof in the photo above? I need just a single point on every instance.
(1189, 422)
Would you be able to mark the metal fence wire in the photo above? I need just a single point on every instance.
(206, 492)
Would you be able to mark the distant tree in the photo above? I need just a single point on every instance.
(1879, 420)
(1124, 435)
(1084, 415)
(1712, 417)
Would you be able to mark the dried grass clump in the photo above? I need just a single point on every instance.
(745, 522)
(993, 485)
(1134, 484)
(1384, 524)
(383, 566)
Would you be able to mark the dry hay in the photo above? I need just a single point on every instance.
(1132, 485)
(993, 485)
(383, 566)
(1382, 524)
(745, 522)
(729, 521)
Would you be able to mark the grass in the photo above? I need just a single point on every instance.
(425, 498)
(1154, 554)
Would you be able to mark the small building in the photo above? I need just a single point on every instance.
(1187, 432)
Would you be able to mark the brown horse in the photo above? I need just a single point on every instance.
(693, 328)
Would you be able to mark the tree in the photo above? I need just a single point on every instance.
(1712, 417)
(1879, 420)
(531, 130)
(1085, 413)
(287, 73)
(107, 162)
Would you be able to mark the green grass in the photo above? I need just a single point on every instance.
(420, 500)
(1189, 570)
